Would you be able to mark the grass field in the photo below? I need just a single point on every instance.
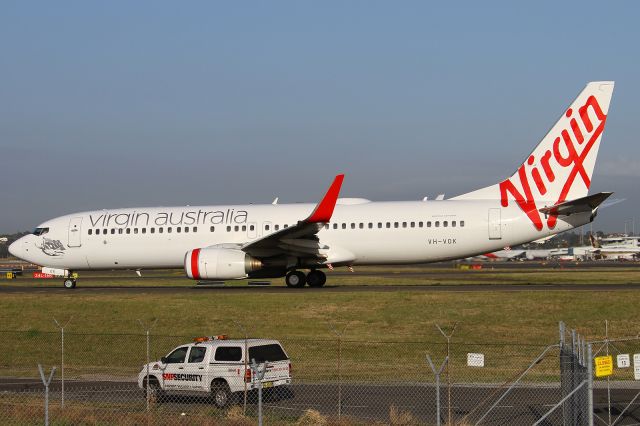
(517, 325)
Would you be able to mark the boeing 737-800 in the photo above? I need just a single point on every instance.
(548, 194)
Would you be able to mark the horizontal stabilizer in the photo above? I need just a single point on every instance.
(580, 205)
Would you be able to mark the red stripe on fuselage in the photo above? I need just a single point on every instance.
(195, 273)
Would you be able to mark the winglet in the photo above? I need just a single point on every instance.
(324, 209)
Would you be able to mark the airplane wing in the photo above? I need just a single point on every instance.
(580, 205)
(300, 240)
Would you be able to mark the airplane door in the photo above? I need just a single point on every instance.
(495, 226)
(75, 232)
(252, 231)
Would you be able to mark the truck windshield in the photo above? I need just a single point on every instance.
(40, 231)
(267, 353)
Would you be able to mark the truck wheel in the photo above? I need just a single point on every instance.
(221, 394)
(155, 391)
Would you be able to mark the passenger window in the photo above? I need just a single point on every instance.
(420, 224)
(353, 225)
(344, 226)
(285, 226)
(326, 226)
(445, 223)
(212, 228)
(120, 231)
(128, 230)
(266, 227)
(153, 230)
(197, 354)
(379, 225)
(251, 227)
(429, 224)
(104, 231)
(370, 225)
(144, 230)
(236, 228)
(453, 223)
(413, 224)
(228, 229)
(388, 224)
(404, 224)
(195, 229)
(90, 231)
(178, 229)
(186, 229)
(335, 226)
(177, 356)
(228, 353)
(244, 227)
(395, 224)
(135, 230)
(168, 230)
(160, 230)
(437, 224)
(277, 227)
(361, 225)
(462, 223)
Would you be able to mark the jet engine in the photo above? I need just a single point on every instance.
(219, 264)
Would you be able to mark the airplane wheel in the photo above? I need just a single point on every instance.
(295, 279)
(69, 283)
(316, 278)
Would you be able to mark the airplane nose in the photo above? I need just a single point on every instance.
(13, 249)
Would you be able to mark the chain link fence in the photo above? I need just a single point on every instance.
(338, 380)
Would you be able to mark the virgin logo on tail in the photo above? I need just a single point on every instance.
(569, 150)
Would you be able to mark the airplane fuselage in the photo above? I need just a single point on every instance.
(362, 233)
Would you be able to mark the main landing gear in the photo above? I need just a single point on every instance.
(314, 278)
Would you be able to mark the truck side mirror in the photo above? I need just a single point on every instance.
(163, 360)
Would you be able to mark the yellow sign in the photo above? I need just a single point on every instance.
(604, 365)
(10, 275)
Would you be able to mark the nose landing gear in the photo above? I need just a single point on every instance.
(69, 283)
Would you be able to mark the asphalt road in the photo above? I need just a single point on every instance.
(523, 405)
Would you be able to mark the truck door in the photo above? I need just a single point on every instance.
(195, 368)
(172, 376)
(495, 225)
(75, 232)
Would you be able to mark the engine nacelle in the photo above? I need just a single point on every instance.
(219, 264)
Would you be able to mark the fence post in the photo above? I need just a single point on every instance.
(62, 327)
(46, 384)
(339, 335)
(259, 374)
(246, 360)
(437, 374)
(448, 337)
(147, 330)
(590, 385)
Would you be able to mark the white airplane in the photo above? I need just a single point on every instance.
(548, 194)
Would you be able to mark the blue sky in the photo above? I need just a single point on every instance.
(116, 104)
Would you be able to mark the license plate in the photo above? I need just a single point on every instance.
(267, 385)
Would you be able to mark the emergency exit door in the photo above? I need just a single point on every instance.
(75, 232)
(495, 225)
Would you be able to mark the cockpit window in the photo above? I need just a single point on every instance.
(40, 231)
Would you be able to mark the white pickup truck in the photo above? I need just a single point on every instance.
(216, 366)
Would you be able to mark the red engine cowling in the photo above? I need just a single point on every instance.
(219, 264)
